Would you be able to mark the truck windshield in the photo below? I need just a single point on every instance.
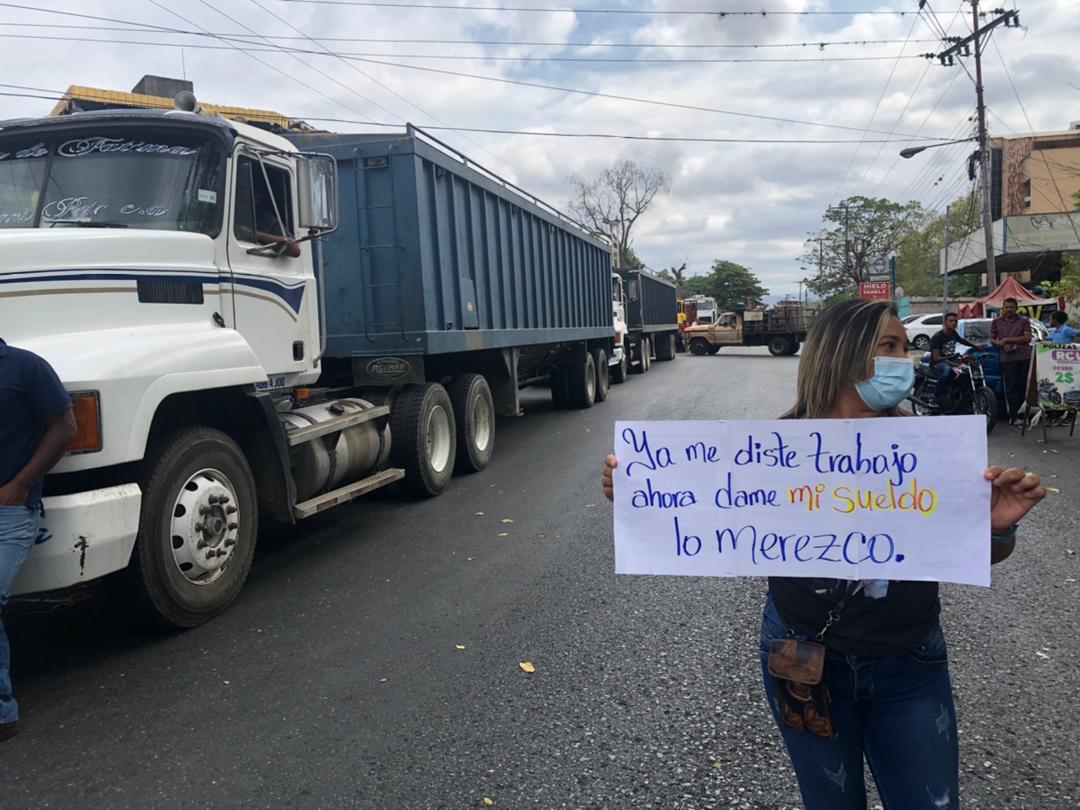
(154, 179)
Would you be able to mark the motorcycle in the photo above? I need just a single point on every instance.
(966, 391)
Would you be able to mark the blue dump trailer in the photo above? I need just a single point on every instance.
(652, 317)
(448, 289)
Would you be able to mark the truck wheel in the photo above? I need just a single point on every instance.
(423, 438)
(699, 346)
(794, 348)
(197, 528)
(581, 381)
(779, 346)
(557, 382)
(646, 352)
(665, 347)
(603, 379)
(474, 415)
(620, 372)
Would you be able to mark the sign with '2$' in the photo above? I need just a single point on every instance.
(886, 498)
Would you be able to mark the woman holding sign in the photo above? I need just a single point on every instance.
(858, 670)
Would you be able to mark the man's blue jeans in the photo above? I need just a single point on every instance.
(943, 372)
(896, 712)
(18, 530)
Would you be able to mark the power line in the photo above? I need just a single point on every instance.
(819, 44)
(594, 10)
(416, 107)
(495, 79)
(907, 103)
(58, 95)
(929, 114)
(1049, 171)
(273, 48)
(870, 123)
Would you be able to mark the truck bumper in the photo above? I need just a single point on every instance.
(616, 356)
(83, 536)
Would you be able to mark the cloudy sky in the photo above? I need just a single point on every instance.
(748, 202)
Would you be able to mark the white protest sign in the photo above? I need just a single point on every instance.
(889, 498)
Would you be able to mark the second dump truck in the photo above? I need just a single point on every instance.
(646, 304)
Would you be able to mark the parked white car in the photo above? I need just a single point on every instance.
(923, 327)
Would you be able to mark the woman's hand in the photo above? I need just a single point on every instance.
(610, 463)
(1013, 495)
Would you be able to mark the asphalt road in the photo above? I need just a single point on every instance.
(338, 679)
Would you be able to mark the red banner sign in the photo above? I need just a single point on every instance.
(874, 290)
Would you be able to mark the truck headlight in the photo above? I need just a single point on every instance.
(86, 406)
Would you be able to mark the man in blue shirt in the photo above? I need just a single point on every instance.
(36, 427)
(1062, 332)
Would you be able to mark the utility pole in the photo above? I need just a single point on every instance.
(945, 275)
(1010, 19)
(984, 155)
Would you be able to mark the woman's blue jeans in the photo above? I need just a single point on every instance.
(897, 713)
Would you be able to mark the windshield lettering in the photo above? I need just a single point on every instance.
(88, 146)
(73, 208)
(16, 217)
(36, 151)
(143, 211)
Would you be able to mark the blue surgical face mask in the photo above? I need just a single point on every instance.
(893, 380)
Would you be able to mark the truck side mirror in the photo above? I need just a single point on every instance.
(318, 191)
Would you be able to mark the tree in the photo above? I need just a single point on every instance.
(611, 204)
(857, 231)
(678, 275)
(1069, 285)
(732, 285)
(918, 261)
(630, 261)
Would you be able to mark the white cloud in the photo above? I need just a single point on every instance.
(747, 203)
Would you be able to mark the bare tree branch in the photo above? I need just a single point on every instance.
(611, 204)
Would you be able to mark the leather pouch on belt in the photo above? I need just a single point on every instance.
(791, 659)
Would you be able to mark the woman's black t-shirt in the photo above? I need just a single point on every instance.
(881, 619)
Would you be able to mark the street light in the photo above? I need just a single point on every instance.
(911, 151)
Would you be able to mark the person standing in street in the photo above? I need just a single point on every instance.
(36, 428)
(885, 698)
(1010, 332)
(1063, 333)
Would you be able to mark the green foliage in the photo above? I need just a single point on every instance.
(918, 263)
(1069, 286)
(857, 231)
(631, 261)
(731, 284)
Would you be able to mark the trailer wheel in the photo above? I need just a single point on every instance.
(474, 415)
(197, 528)
(620, 372)
(646, 352)
(581, 381)
(699, 346)
(665, 347)
(779, 345)
(603, 378)
(423, 438)
(557, 383)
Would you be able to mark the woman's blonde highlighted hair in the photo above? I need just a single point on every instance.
(839, 351)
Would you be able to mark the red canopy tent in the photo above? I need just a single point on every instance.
(1009, 288)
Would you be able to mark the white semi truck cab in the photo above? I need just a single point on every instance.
(144, 258)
